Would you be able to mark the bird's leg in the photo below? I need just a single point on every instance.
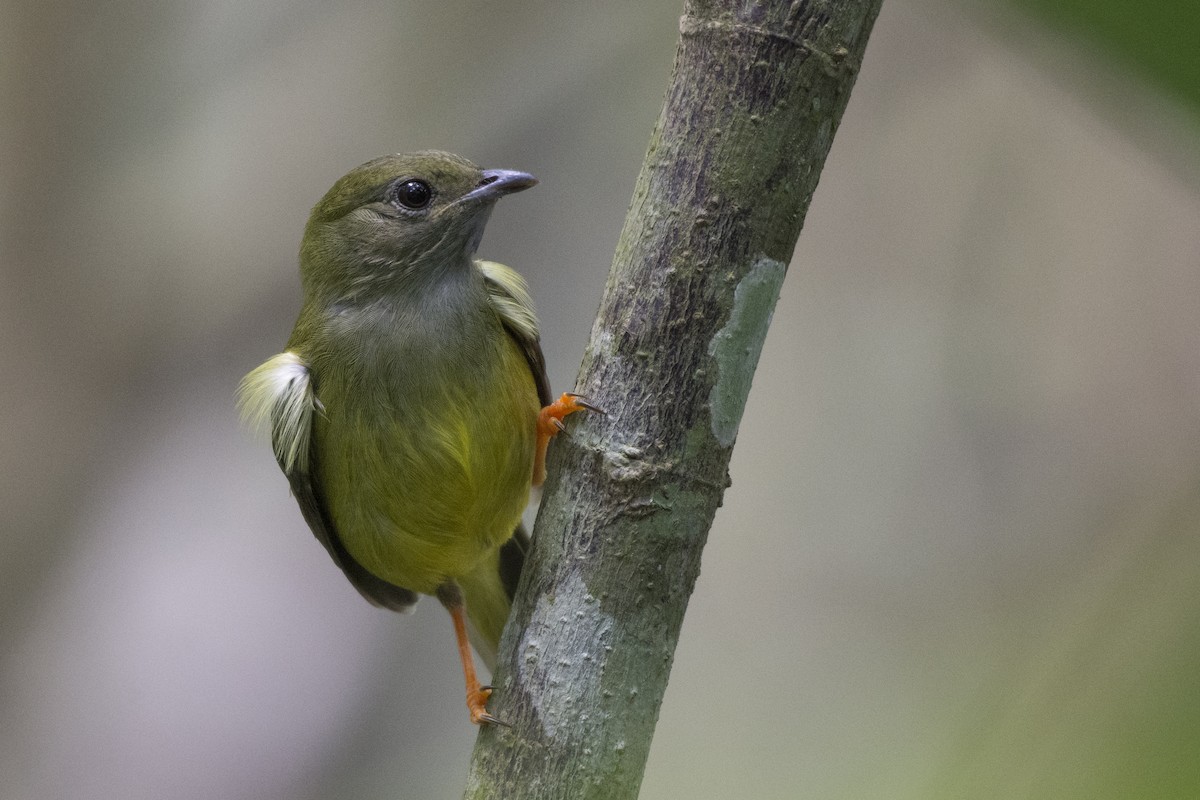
(550, 422)
(477, 696)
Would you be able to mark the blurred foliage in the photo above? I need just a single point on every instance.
(1156, 40)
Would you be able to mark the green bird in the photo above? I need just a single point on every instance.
(411, 411)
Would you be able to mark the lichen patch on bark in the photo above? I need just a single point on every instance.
(738, 344)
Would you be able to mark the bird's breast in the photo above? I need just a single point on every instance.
(425, 446)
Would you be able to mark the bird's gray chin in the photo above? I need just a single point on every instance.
(476, 234)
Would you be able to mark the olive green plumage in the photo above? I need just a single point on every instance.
(404, 409)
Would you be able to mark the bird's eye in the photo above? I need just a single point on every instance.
(413, 194)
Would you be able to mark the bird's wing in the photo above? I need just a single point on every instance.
(512, 560)
(509, 296)
(279, 395)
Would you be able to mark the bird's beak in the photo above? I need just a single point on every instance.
(498, 182)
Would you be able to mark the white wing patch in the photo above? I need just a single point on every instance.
(278, 396)
(510, 297)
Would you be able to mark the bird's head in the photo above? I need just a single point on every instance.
(400, 217)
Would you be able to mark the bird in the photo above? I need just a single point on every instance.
(410, 409)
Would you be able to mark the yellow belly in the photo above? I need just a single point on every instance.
(426, 478)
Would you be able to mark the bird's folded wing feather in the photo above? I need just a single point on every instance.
(509, 296)
(279, 395)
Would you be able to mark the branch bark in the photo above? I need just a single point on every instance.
(757, 92)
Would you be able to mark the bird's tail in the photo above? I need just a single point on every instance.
(488, 594)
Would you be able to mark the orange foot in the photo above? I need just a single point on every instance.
(477, 705)
(550, 423)
(477, 696)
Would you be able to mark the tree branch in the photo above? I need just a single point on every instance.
(757, 92)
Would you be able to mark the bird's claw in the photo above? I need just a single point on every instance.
(477, 705)
(487, 719)
(584, 402)
(550, 419)
(550, 424)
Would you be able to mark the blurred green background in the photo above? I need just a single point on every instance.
(960, 556)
